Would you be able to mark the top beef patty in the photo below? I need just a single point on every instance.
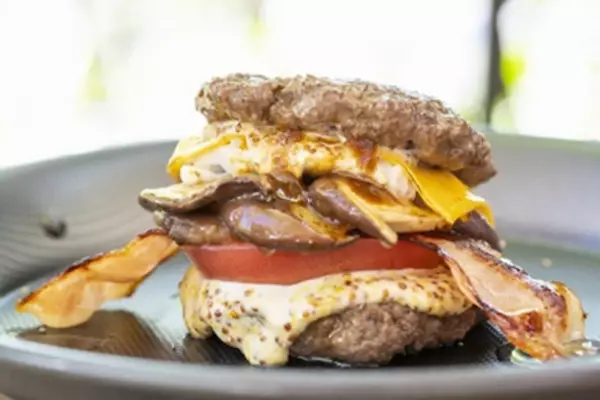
(360, 110)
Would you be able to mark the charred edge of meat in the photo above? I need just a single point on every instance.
(374, 333)
(274, 226)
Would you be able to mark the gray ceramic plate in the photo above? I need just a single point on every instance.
(56, 212)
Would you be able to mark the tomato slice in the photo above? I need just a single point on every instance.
(244, 262)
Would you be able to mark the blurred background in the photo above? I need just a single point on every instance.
(77, 75)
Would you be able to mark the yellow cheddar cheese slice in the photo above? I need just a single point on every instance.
(442, 191)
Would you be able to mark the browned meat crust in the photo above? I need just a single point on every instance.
(374, 333)
(387, 115)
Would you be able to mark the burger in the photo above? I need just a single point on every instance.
(326, 219)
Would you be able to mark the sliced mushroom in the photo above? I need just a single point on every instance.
(476, 226)
(282, 225)
(283, 185)
(332, 197)
(194, 229)
(369, 208)
(181, 197)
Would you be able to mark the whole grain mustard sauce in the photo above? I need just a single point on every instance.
(264, 320)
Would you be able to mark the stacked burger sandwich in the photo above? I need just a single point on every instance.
(330, 219)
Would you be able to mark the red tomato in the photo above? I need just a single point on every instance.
(244, 262)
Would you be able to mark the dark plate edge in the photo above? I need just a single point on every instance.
(458, 382)
(273, 383)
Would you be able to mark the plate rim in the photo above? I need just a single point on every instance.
(272, 383)
(149, 375)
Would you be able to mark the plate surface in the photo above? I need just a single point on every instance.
(56, 212)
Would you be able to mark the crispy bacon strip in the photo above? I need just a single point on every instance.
(73, 296)
(537, 317)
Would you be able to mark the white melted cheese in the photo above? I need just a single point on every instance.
(264, 320)
(241, 148)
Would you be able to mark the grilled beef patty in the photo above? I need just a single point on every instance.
(373, 333)
(359, 110)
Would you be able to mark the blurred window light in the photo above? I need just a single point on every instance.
(79, 75)
(551, 69)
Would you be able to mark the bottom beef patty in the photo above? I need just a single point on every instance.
(374, 333)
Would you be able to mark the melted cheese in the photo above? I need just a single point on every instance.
(442, 191)
(233, 148)
(264, 320)
(241, 148)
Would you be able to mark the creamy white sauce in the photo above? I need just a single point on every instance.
(315, 157)
(264, 320)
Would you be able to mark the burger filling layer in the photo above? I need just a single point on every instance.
(234, 148)
(265, 320)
